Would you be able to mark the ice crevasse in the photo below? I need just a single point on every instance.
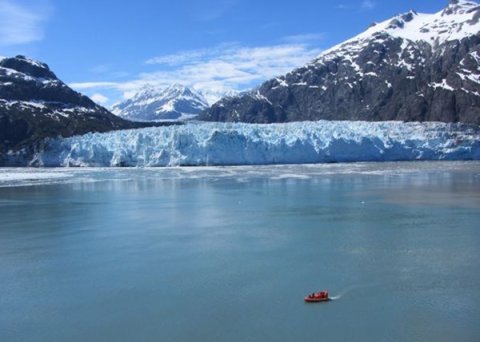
(251, 144)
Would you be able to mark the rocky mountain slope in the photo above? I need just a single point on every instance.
(35, 104)
(413, 67)
(175, 102)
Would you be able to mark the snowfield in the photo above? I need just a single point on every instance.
(254, 144)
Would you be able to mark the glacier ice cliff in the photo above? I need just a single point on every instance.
(250, 144)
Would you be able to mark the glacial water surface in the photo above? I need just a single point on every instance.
(227, 254)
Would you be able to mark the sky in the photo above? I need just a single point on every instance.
(109, 49)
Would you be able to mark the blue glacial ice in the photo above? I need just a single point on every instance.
(252, 144)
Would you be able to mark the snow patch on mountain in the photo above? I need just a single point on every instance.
(252, 144)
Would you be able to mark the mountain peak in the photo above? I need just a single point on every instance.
(460, 19)
(28, 66)
(177, 86)
(146, 90)
(178, 89)
(174, 102)
(459, 7)
(151, 92)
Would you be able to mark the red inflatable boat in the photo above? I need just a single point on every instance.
(317, 297)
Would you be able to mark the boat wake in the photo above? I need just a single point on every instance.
(348, 290)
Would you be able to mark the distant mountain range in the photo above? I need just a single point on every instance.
(175, 102)
(413, 67)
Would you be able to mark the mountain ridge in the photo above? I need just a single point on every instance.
(411, 67)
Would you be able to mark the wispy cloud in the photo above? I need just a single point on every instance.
(364, 5)
(221, 68)
(20, 24)
(180, 57)
(304, 38)
(99, 98)
(92, 85)
(368, 4)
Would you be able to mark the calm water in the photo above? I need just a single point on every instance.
(227, 254)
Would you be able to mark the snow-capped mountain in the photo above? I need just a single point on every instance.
(35, 104)
(175, 102)
(413, 67)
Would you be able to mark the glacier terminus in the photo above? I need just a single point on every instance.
(196, 144)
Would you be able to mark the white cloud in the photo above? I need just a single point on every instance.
(91, 85)
(99, 98)
(178, 58)
(219, 69)
(21, 25)
(368, 4)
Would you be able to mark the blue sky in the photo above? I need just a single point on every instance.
(108, 49)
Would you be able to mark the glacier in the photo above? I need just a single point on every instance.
(198, 143)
